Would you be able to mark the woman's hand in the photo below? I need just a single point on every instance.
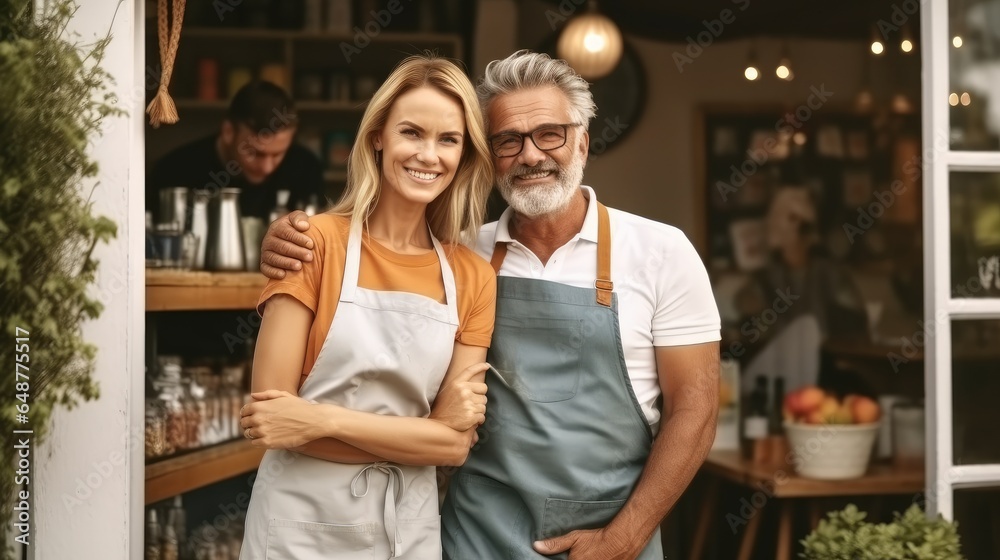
(281, 420)
(461, 405)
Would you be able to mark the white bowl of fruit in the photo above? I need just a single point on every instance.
(830, 438)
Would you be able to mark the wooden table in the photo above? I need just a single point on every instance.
(781, 484)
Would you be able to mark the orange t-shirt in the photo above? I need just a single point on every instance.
(317, 285)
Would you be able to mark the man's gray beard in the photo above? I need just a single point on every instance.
(537, 201)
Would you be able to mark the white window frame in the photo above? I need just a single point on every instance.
(940, 309)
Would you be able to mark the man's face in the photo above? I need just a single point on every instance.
(258, 155)
(537, 182)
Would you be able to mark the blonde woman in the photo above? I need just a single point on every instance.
(354, 346)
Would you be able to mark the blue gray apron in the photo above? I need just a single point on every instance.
(565, 440)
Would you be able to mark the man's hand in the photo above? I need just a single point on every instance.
(284, 247)
(461, 405)
(281, 420)
(592, 544)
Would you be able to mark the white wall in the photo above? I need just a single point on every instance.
(89, 473)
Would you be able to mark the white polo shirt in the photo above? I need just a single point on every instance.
(664, 295)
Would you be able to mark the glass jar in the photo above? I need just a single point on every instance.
(202, 414)
(156, 431)
(192, 420)
(169, 368)
(234, 375)
(176, 427)
(216, 425)
(235, 403)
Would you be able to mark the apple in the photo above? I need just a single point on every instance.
(863, 409)
(842, 415)
(801, 402)
(815, 417)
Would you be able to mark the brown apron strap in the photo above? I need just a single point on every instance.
(603, 283)
(499, 252)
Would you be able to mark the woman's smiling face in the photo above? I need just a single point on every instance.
(421, 145)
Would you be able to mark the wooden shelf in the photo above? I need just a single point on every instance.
(177, 475)
(308, 106)
(251, 33)
(176, 290)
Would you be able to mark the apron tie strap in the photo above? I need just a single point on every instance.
(393, 496)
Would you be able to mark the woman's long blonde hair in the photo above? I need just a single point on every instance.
(456, 214)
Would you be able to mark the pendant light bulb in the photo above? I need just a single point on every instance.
(591, 43)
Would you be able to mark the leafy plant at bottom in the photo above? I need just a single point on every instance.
(845, 535)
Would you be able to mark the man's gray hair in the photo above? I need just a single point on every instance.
(525, 70)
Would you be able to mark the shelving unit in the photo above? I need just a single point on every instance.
(173, 476)
(175, 290)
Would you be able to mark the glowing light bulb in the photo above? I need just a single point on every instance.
(957, 41)
(594, 42)
(877, 47)
(953, 100)
(751, 73)
(906, 45)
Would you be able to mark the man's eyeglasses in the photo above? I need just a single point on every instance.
(545, 138)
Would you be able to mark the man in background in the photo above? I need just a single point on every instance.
(253, 151)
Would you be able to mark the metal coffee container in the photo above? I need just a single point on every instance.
(173, 208)
(224, 249)
(199, 226)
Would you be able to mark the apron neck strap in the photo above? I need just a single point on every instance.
(499, 252)
(603, 284)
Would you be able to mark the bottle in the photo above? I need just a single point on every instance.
(153, 536)
(169, 550)
(776, 418)
(755, 421)
(177, 521)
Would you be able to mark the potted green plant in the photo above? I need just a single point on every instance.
(54, 97)
(911, 536)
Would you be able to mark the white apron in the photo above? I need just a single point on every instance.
(386, 353)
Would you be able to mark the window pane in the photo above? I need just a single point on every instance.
(977, 511)
(976, 387)
(974, 95)
(975, 235)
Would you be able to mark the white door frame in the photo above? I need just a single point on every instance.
(940, 309)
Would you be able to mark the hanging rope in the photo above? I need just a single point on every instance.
(162, 109)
